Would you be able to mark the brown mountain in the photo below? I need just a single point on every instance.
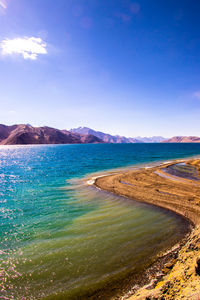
(27, 134)
(183, 139)
(116, 139)
(5, 131)
(107, 138)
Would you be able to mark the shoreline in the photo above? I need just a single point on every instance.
(179, 279)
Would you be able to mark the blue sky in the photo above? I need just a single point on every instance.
(119, 66)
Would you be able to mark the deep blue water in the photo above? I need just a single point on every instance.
(55, 232)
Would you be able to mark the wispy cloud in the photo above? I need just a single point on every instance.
(28, 47)
(196, 95)
(3, 6)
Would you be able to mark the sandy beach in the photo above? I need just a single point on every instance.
(181, 194)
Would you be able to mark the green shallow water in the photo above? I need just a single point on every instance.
(61, 239)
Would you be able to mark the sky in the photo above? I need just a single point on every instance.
(119, 66)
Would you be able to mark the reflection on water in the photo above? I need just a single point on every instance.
(61, 239)
(111, 238)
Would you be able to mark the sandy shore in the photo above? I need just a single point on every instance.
(181, 279)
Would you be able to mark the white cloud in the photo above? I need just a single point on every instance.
(28, 47)
(3, 5)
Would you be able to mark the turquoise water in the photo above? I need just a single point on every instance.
(61, 239)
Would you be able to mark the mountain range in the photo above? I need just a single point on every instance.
(183, 139)
(108, 138)
(26, 134)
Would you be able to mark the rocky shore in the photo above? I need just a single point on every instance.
(181, 275)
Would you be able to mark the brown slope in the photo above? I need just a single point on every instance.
(107, 138)
(85, 138)
(26, 134)
(6, 130)
(183, 139)
(89, 138)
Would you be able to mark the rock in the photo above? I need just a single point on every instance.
(170, 264)
(197, 267)
(165, 270)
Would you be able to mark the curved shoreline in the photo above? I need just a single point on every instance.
(182, 196)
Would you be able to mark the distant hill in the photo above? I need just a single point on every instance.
(5, 131)
(23, 134)
(27, 134)
(152, 139)
(183, 139)
(108, 138)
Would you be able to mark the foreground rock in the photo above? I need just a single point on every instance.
(181, 279)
